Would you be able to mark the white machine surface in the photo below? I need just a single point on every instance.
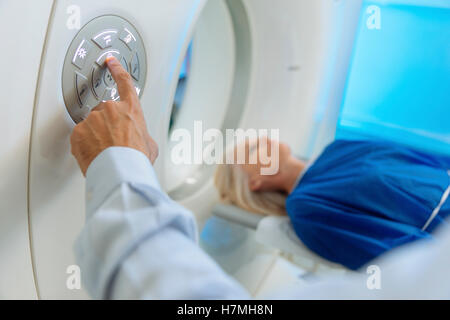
(255, 64)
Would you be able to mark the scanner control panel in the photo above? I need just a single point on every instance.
(86, 81)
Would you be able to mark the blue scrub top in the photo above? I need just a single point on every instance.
(363, 198)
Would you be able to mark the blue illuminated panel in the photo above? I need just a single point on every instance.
(399, 82)
(185, 68)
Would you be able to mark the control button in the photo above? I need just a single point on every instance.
(109, 80)
(82, 85)
(106, 38)
(111, 53)
(135, 67)
(124, 63)
(128, 38)
(111, 94)
(85, 112)
(138, 90)
(81, 54)
(98, 85)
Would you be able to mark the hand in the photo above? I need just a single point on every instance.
(113, 124)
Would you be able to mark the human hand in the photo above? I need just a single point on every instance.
(113, 124)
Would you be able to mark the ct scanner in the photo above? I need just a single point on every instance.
(254, 64)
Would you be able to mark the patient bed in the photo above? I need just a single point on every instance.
(262, 252)
(276, 232)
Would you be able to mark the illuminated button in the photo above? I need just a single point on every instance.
(111, 94)
(101, 60)
(82, 84)
(138, 91)
(98, 84)
(106, 38)
(81, 54)
(128, 38)
(135, 67)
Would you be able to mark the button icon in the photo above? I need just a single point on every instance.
(128, 38)
(106, 38)
(81, 54)
(113, 93)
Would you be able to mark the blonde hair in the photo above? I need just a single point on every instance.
(233, 187)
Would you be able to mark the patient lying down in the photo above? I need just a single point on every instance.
(358, 200)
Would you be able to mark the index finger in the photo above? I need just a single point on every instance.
(123, 80)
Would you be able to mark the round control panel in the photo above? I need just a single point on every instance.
(86, 81)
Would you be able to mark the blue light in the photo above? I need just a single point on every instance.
(399, 82)
(185, 68)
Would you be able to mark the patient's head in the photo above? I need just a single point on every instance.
(262, 175)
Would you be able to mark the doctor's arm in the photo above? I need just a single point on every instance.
(137, 243)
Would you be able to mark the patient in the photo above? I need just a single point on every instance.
(358, 200)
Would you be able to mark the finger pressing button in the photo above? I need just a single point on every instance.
(111, 53)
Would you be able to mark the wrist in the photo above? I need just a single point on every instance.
(113, 167)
